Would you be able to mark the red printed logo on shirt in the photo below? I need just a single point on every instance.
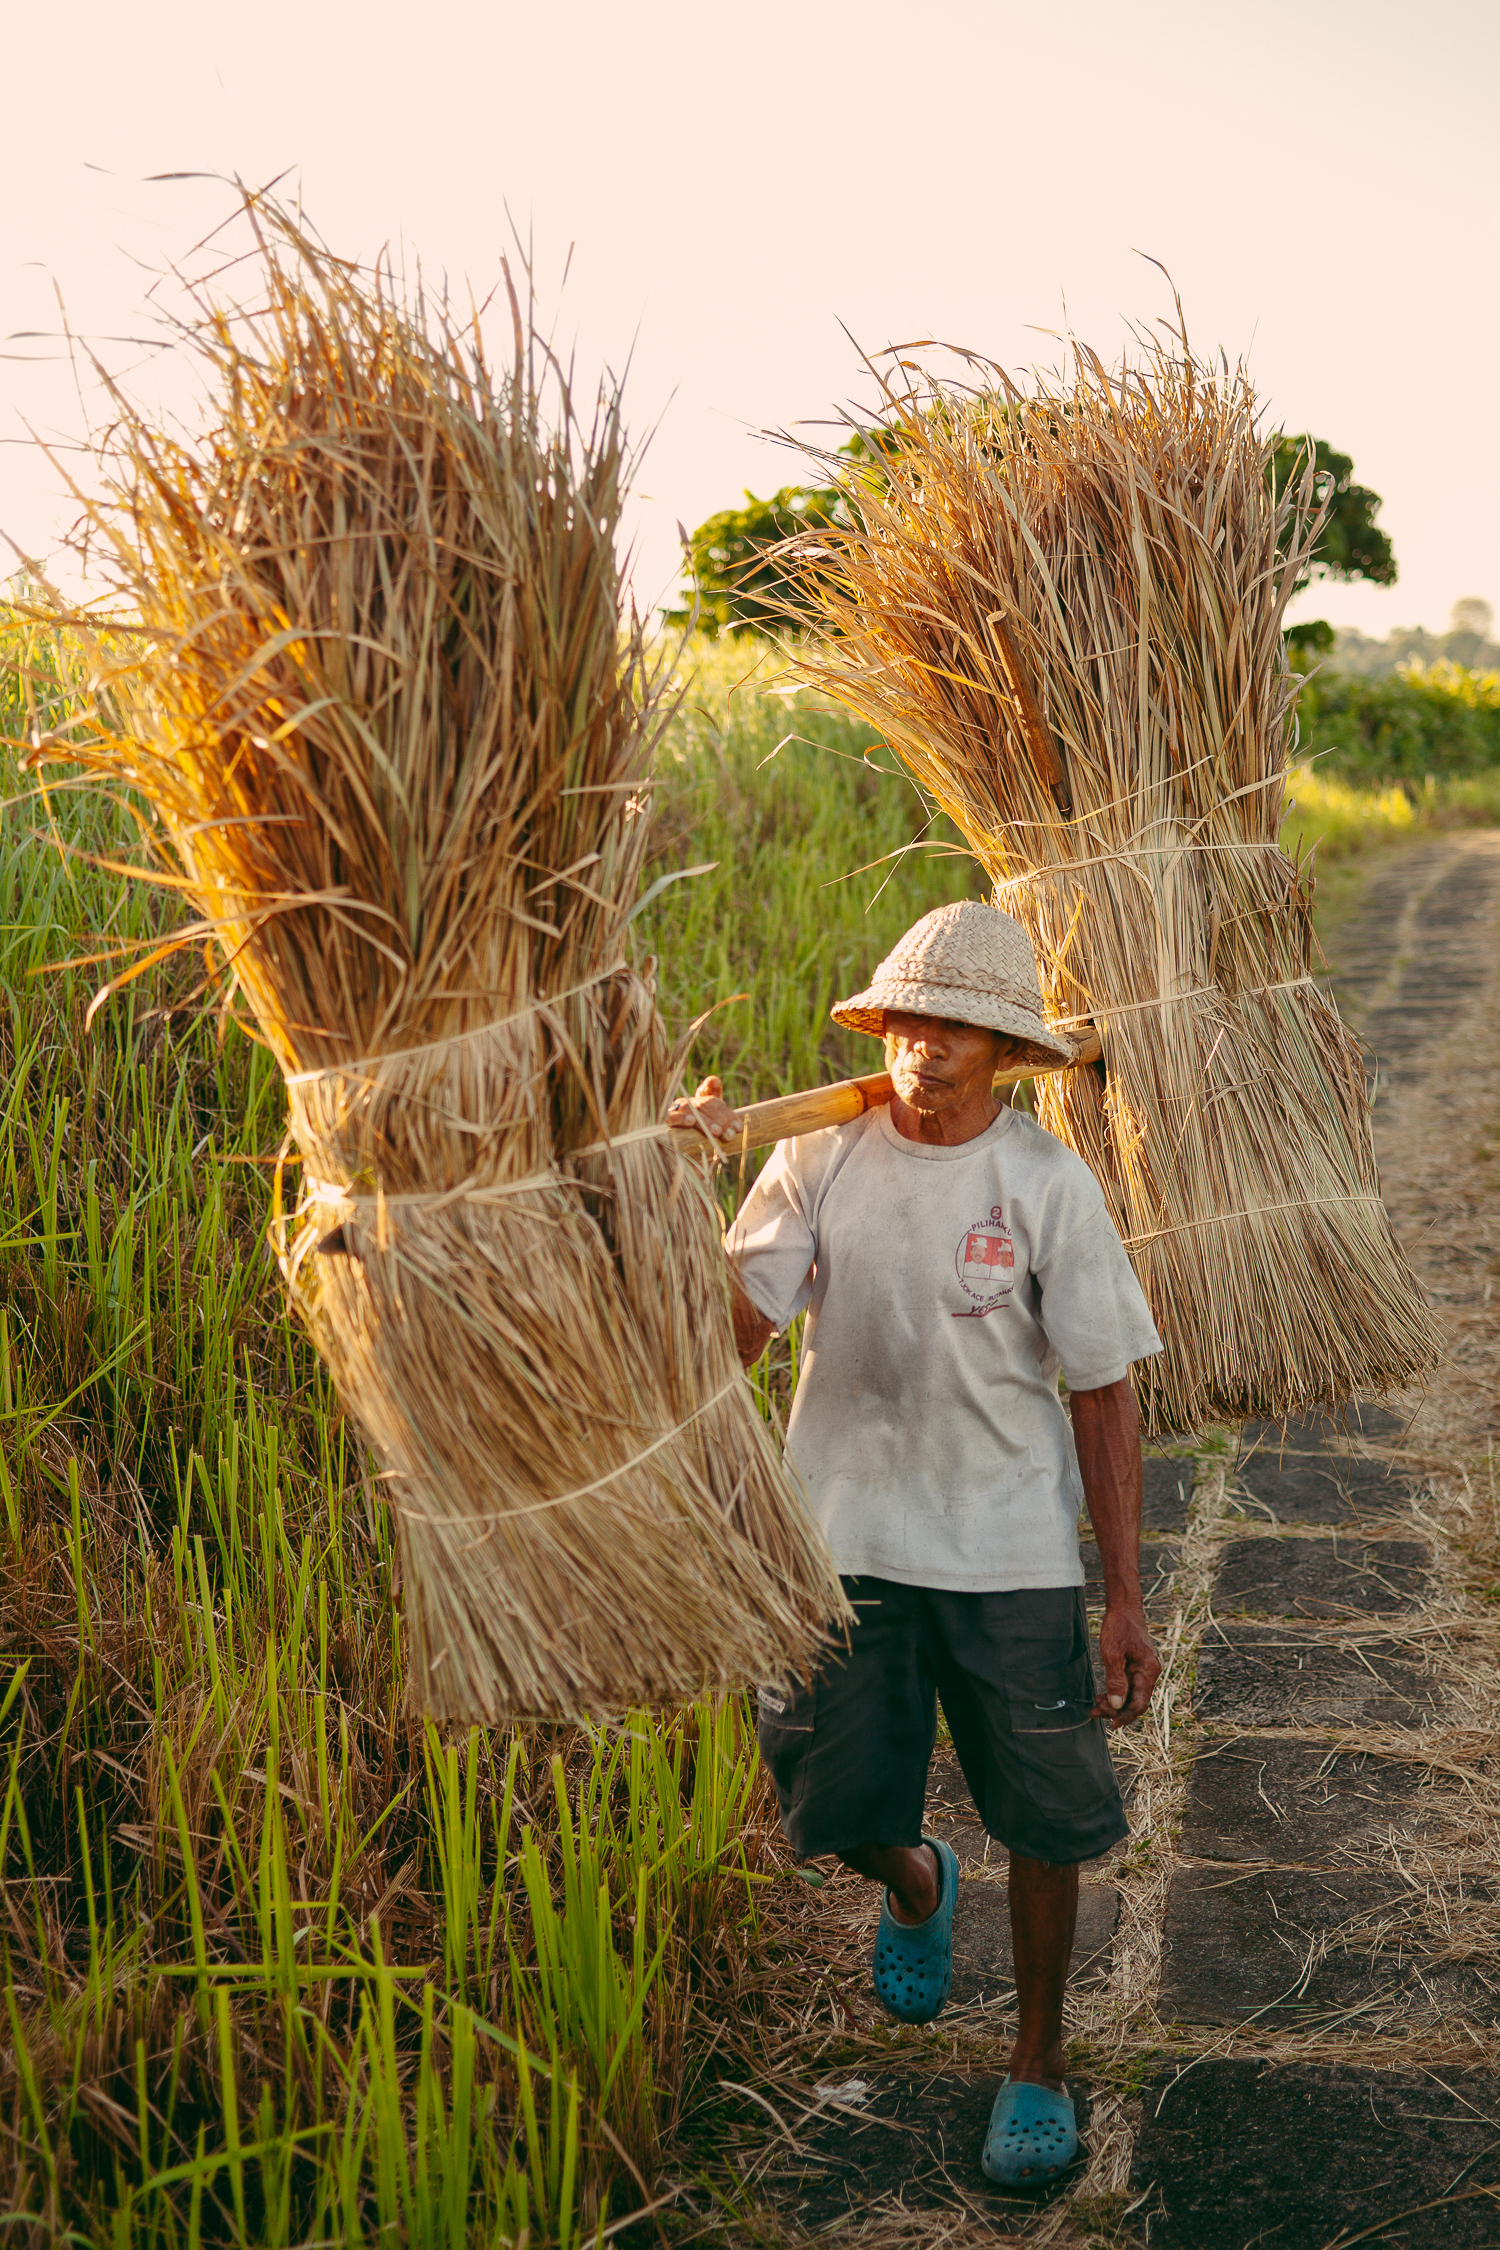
(986, 1263)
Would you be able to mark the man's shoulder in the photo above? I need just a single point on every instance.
(812, 1159)
(1048, 1166)
(1040, 1146)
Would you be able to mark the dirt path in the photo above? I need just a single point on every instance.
(1417, 971)
(1329, 1974)
(1287, 2002)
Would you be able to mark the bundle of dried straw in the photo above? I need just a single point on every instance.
(393, 728)
(1064, 609)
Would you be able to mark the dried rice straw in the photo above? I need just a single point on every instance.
(1064, 609)
(394, 729)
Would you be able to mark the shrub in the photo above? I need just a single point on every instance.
(1438, 719)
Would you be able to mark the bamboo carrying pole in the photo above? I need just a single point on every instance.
(763, 1123)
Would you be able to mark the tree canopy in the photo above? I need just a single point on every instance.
(736, 582)
(1309, 641)
(1351, 544)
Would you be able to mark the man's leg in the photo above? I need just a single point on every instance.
(1043, 1912)
(1015, 1682)
(848, 1752)
(909, 1873)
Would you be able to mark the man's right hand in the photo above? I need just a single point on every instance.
(1131, 1664)
(706, 1111)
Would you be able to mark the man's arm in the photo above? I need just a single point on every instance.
(708, 1108)
(752, 1330)
(1107, 1433)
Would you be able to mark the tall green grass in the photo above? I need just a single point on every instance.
(281, 1966)
(823, 852)
(1344, 826)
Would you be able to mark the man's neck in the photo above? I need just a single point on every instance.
(947, 1128)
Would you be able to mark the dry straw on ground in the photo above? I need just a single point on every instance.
(1064, 610)
(391, 726)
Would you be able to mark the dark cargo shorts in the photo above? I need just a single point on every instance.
(849, 1754)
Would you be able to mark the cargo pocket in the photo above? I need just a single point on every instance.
(1031, 1713)
(1049, 1678)
(784, 1731)
(1052, 1697)
(785, 1710)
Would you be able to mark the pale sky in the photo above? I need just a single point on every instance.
(742, 186)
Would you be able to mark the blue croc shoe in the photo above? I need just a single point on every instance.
(914, 1964)
(1033, 2136)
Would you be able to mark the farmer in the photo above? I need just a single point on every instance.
(952, 1256)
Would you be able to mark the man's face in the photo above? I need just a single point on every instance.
(937, 1064)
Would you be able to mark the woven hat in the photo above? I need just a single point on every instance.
(967, 962)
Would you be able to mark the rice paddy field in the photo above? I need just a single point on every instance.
(280, 1965)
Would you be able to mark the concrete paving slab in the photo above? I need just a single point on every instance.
(1316, 1487)
(1159, 1558)
(1298, 1803)
(1239, 1945)
(1166, 1491)
(911, 2142)
(1235, 1945)
(1302, 2155)
(1323, 1430)
(1334, 1577)
(1278, 1676)
(983, 1962)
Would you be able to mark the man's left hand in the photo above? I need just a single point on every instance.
(706, 1111)
(1131, 1666)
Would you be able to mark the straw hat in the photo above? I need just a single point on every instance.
(969, 963)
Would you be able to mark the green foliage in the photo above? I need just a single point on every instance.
(1440, 720)
(1351, 544)
(279, 1966)
(738, 583)
(1305, 643)
(788, 795)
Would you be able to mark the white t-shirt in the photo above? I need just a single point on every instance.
(944, 1287)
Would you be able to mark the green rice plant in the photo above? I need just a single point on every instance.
(539, 2187)
(579, 1993)
(816, 851)
(275, 1959)
(471, 1929)
(425, 2164)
